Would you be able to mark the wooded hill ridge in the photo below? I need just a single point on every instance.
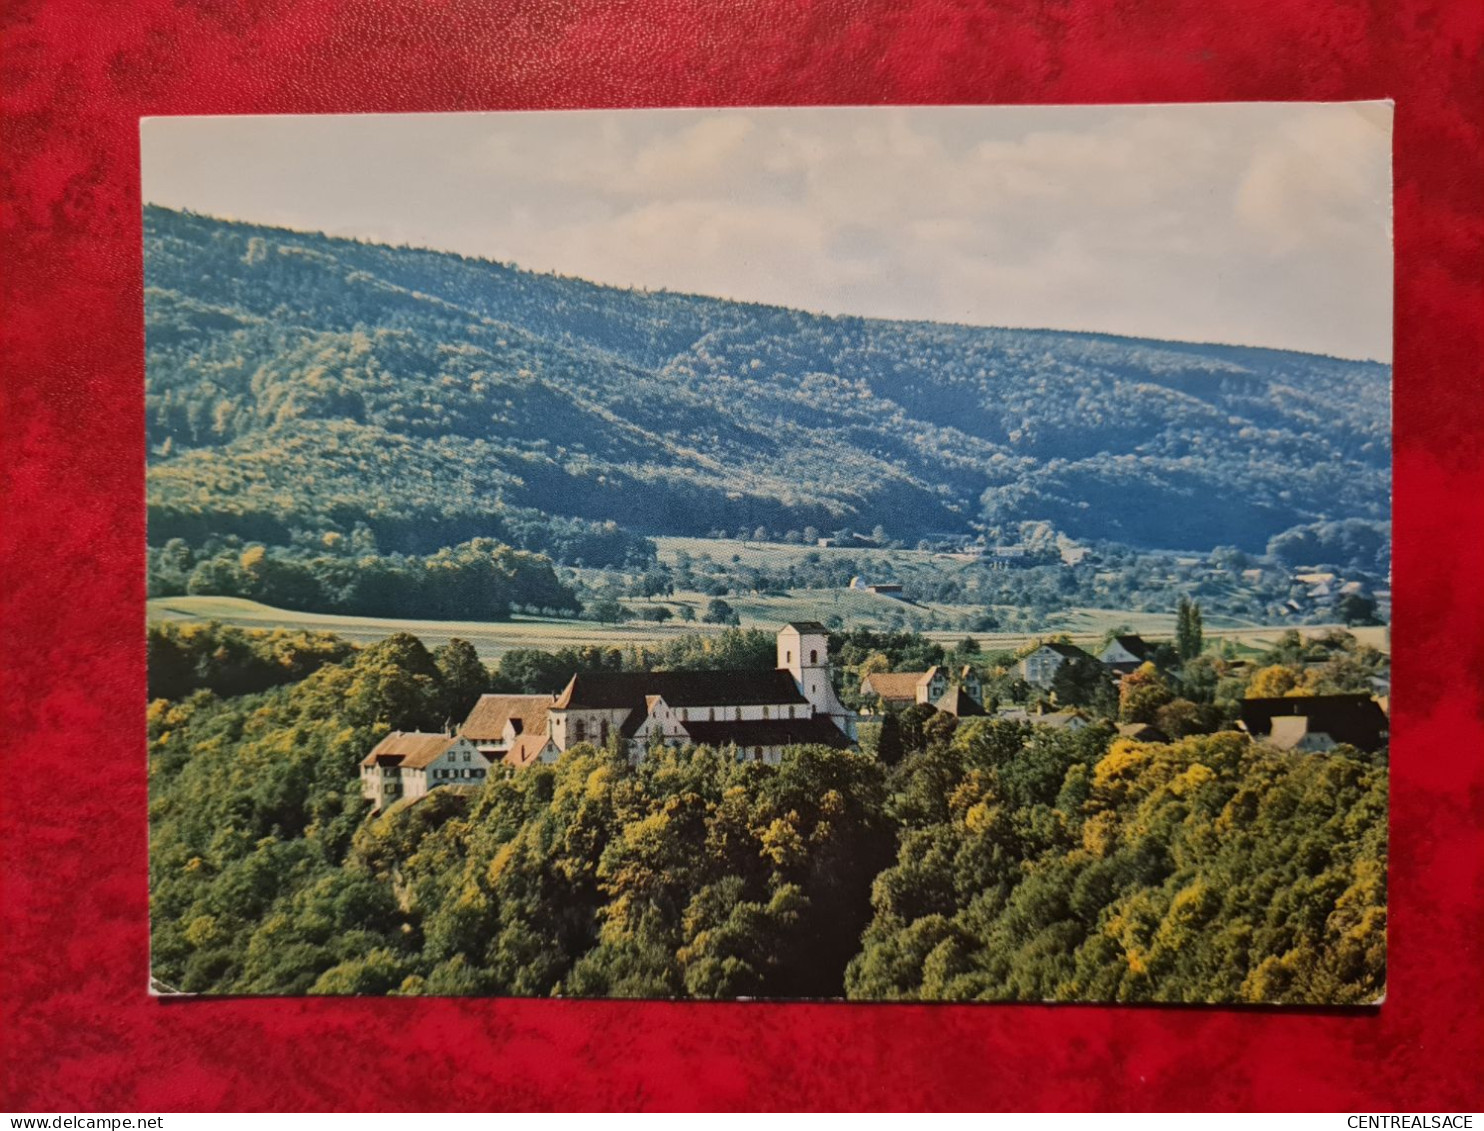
(301, 382)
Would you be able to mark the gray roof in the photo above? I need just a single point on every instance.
(679, 689)
(819, 731)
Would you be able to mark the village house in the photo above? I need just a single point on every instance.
(1316, 722)
(896, 691)
(1056, 720)
(409, 764)
(1004, 557)
(1125, 654)
(892, 691)
(891, 589)
(957, 701)
(1039, 668)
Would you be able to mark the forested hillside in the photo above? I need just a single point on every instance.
(301, 383)
(982, 860)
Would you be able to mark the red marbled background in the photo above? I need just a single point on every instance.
(78, 1031)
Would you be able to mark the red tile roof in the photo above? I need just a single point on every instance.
(526, 749)
(892, 685)
(413, 749)
(486, 722)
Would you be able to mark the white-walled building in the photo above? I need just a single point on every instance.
(758, 712)
(1039, 668)
(761, 713)
(897, 690)
(1125, 654)
(409, 764)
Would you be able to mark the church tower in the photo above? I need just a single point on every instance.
(804, 651)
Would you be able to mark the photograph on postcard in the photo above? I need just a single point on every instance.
(885, 554)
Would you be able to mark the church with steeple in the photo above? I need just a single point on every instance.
(760, 713)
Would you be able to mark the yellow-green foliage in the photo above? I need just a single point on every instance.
(1206, 870)
(995, 861)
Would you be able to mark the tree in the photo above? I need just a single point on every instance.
(1356, 608)
(465, 678)
(1181, 717)
(1188, 637)
(1274, 682)
(1083, 682)
(656, 583)
(720, 612)
(913, 726)
(1141, 695)
(606, 610)
(889, 747)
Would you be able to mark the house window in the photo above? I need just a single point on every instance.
(713, 714)
(466, 755)
(813, 656)
(579, 731)
(603, 731)
(788, 657)
(765, 711)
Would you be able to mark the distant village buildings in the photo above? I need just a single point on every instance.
(762, 713)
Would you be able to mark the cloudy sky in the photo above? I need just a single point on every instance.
(1262, 224)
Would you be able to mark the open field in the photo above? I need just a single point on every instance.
(782, 554)
(491, 639)
(494, 639)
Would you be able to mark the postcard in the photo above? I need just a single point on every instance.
(885, 554)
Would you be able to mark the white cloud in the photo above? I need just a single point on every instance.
(1262, 223)
(1319, 179)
